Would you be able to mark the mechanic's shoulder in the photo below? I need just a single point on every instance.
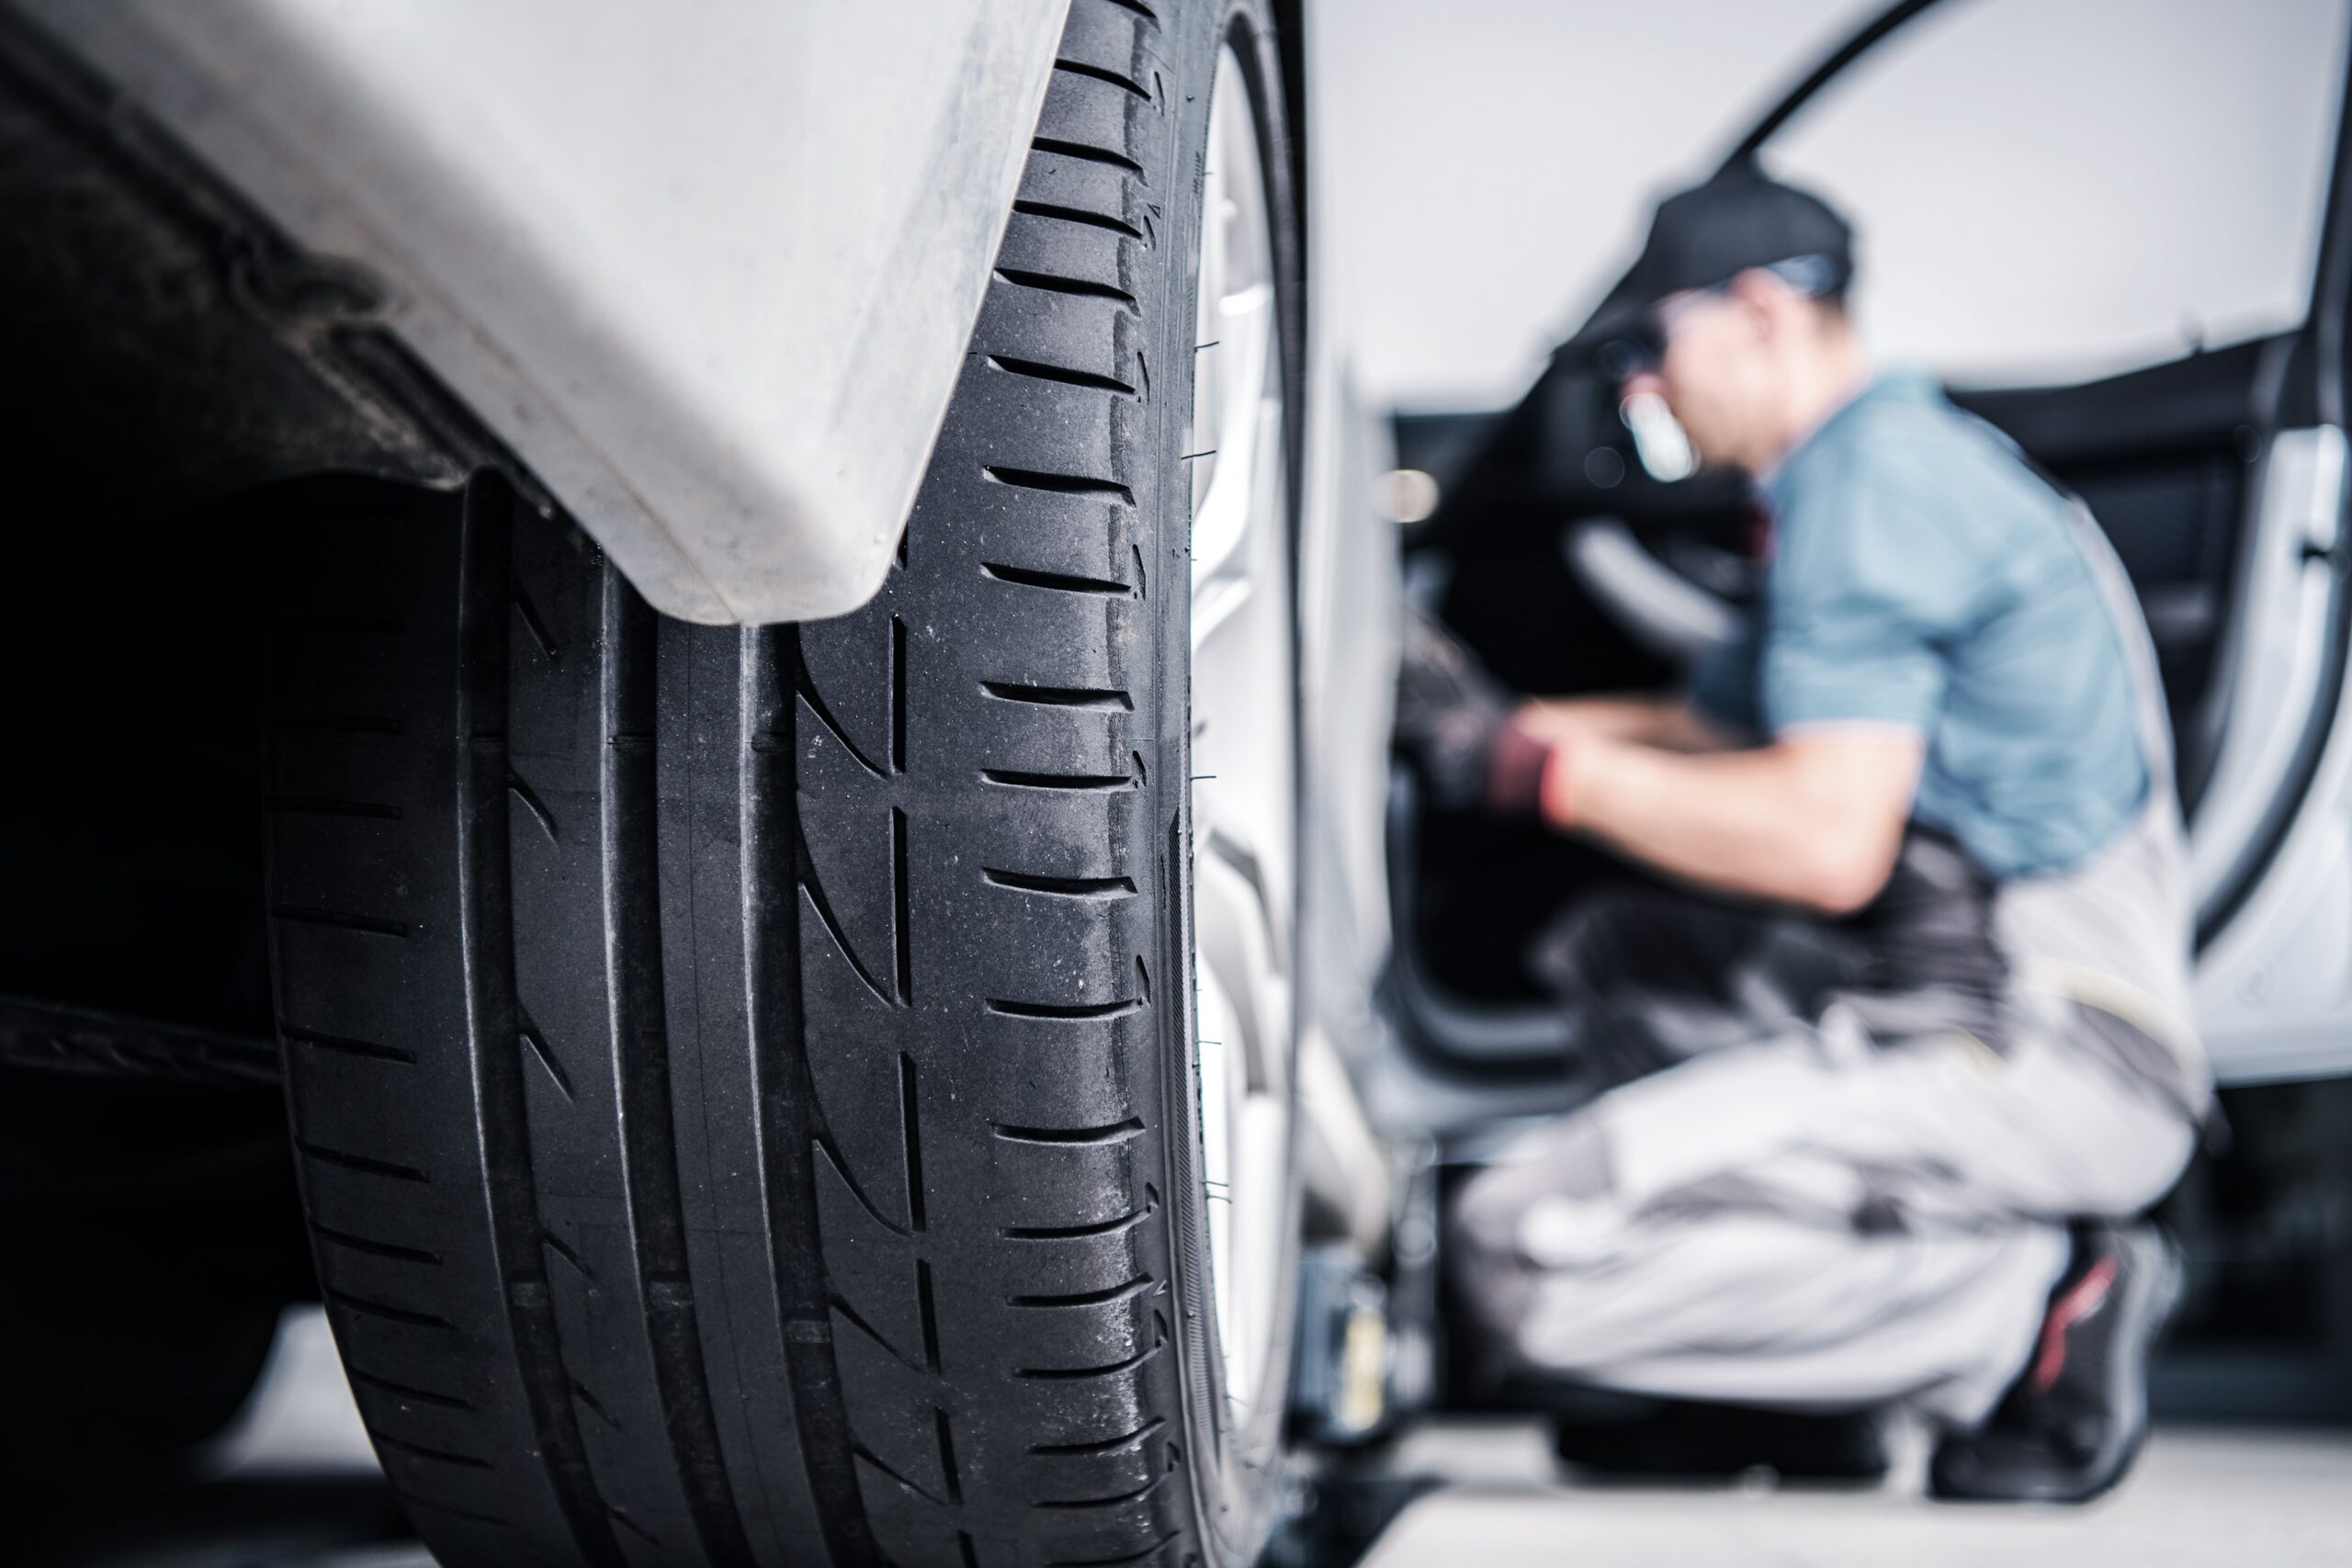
(1929, 459)
(1905, 433)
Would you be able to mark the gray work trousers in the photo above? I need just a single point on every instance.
(1812, 1213)
(1730, 1259)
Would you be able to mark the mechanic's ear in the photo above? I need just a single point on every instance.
(1641, 383)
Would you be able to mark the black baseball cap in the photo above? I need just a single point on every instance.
(1704, 237)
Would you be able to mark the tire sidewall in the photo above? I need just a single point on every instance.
(1235, 1474)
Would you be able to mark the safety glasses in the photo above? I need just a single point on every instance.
(1642, 346)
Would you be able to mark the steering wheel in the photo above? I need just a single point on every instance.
(1677, 605)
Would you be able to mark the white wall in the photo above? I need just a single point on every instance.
(2045, 185)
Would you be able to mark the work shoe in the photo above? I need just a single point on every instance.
(2072, 1424)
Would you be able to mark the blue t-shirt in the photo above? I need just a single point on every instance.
(1923, 576)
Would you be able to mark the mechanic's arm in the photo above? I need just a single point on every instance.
(1667, 720)
(1815, 818)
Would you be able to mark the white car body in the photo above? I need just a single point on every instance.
(709, 275)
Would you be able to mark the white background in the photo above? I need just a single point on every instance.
(2045, 187)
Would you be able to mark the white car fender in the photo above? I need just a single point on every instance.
(708, 270)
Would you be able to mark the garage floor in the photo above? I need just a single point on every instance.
(297, 1487)
(2198, 1496)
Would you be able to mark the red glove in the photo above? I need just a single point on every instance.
(1516, 761)
(1528, 775)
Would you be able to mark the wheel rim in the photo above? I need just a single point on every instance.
(1242, 799)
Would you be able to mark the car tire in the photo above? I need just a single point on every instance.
(744, 1080)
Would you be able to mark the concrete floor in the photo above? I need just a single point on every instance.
(295, 1485)
(2253, 1499)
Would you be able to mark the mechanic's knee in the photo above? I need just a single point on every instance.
(1482, 1220)
(2131, 1180)
(1492, 1281)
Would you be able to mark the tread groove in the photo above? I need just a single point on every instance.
(486, 926)
(620, 1518)
(1061, 214)
(1062, 886)
(806, 686)
(910, 1131)
(948, 1457)
(897, 695)
(1087, 1504)
(1064, 1011)
(902, 908)
(870, 1457)
(929, 1313)
(537, 627)
(1038, 370)
(787, 1092)
(555, 1243)
(826, 917)
(373, 1247)
(1116, 1133)
(538, 1042)
(408, 1390)
(855, 1320)
(595, 1407)
(1133, 1288)
(1078, 1233)
(342, 1044)
(1076, 782)
(367, 1306)
(1073, 1374)
(640, 1064)
(364, 1164)
(1059, 581)
(841, 1168)
(534, 804)
(1104, 73)
(1061, 696)
(1106, 1445)
(443, 1456)
(1086, 152)
(1078, 288)
(1060, 484)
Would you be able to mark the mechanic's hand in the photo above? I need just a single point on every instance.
(1449, 710)
(1516, 757)
(1451, 716)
